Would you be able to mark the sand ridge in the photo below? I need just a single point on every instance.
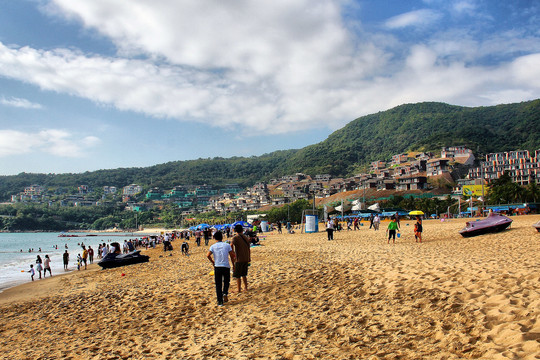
(356, 297)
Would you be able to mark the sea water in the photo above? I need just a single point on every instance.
(19, 250)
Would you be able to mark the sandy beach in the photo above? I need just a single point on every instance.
(356, 297)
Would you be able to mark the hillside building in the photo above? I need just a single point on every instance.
(131, 190)
(522, 167)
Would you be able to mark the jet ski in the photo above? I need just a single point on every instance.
(493, 223)
(113, 260)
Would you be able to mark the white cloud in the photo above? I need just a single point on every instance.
(464, 6)
(272, 67)
(56, 142)
(416, 18)
(20, 103)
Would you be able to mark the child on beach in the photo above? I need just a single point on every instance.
(185, 248)
(32, 272)
(79, 261)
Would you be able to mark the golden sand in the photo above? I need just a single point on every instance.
(356, 297)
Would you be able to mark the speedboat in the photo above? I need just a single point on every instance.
(112, 260)
(493, 223)
(537, 226)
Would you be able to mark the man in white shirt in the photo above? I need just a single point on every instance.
(222, 269)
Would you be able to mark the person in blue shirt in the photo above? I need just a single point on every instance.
(219, 254)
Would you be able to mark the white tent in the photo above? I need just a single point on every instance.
(356, 207)
(375, 207)
(344, 207)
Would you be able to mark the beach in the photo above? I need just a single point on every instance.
(356, 297)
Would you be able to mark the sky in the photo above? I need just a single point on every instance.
(104, 84)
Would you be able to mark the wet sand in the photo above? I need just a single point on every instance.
(356, 297)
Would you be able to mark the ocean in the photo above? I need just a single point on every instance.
(15, 257)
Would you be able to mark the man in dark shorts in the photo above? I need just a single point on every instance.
(66, 260)
(241, 248)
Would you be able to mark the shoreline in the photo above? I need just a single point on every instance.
(30, 290)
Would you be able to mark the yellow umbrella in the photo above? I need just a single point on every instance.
(416, 212)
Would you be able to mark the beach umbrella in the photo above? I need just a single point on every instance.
(243, 223)
(416, 212)
(202, 226)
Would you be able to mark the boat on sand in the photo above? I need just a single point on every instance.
(537, 226)
(493, 223)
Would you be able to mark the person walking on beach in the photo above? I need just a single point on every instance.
(279, 226)
(242, 252)
(376, 222)
(65, 257)
(221, 252)
(391, 230)
(418, 229)
(356, 227)
(371, 221)
(47, 266)
(206, 233)
(198, 237)
(39, 267)
(330, 229)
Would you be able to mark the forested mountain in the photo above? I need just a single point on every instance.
(423, 126)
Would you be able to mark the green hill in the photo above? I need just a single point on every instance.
(423, 126)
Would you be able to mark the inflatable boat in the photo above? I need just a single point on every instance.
(493, 223)
(113, 260)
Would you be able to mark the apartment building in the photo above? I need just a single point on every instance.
(522, 167)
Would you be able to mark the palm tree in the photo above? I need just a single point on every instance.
(532, 192)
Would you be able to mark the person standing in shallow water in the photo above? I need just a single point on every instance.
(65, 257)
(222, 269)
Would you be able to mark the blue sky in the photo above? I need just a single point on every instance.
(88, 85)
